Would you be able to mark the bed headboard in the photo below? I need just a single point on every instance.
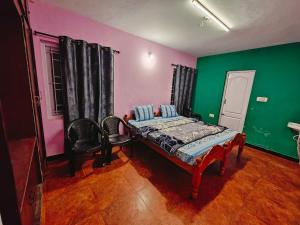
(131, 116)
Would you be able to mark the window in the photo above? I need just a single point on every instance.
(53, 77)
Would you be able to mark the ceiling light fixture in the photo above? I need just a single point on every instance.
(203, 21)
(211, 15)
(150, 55)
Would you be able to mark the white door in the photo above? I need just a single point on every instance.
(235, 101)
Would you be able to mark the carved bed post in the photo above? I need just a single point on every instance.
(196, 180)
(241, 145)
(216, 153)
(227, 149)
(126, 118)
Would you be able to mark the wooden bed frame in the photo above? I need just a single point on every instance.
(217, 152)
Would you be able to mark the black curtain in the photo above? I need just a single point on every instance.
(88, 75)
(182, 89)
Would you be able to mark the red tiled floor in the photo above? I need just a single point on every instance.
(148, 189)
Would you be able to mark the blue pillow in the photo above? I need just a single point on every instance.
(168, 111)
(144, 112)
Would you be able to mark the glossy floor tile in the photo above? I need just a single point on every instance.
(148, 189)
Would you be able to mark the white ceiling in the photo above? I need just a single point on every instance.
(175, 23)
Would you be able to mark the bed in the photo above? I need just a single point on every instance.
(188, 142)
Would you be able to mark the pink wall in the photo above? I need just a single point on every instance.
(137, 81)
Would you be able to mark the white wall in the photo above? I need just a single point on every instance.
(0, 220)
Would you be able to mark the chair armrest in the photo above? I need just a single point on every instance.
(127, 127)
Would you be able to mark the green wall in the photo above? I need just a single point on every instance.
(277, 77)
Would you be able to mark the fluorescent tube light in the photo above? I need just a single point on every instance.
(211, 15)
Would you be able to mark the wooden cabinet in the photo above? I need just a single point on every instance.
(30, 206)
(21, 133)
(27, 177)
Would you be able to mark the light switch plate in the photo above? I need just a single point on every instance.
(211, 115)
(262, 99)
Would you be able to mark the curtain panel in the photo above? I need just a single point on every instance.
(182, 89)
(88, 77)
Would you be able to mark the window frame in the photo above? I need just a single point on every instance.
(49, 92)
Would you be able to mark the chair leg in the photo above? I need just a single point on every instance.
(131, 150)
(108, 154)
(100, 160)
(72, 164)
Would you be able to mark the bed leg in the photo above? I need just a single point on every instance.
(197, 177)
(223, 167)
(240, 151)
(224, 163)
(227, 147)
(241, 146)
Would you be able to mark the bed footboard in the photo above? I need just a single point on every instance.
(216, 153)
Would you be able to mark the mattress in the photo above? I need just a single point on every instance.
(189, 151)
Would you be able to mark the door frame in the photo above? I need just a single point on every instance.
(225, 88)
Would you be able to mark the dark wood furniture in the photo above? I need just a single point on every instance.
(217, 152)
(22, 152)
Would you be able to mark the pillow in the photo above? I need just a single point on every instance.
(168, 111)
(144, 112)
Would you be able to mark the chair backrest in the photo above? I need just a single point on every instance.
(83, 129)
(111, 125)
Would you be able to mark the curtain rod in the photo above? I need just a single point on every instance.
(56, 37)
(175, 65)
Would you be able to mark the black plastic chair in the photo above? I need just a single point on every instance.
(83, 136)
(112, 137)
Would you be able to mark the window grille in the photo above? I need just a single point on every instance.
(54, 78)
